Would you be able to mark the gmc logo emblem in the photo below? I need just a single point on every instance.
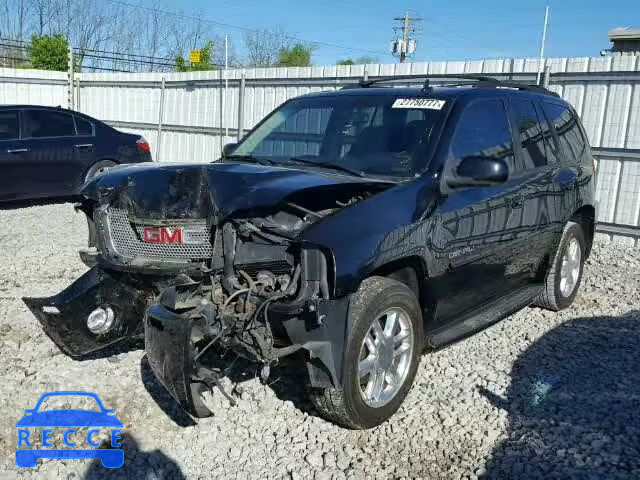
(162, 235)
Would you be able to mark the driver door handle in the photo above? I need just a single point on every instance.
(83, 146)
(17, 150)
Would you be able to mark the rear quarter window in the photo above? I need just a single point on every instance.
(566, 124)
(83, 127)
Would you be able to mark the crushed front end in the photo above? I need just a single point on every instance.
(204, 258)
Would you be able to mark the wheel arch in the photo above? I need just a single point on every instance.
(410, 271)
(100, 161)
(585, 216)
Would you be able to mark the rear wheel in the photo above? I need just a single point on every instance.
(563, 279)
(381, 359)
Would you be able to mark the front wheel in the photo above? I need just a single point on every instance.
(382, 356)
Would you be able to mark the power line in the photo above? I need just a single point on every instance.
(460, 39)
(99, 55)
(241, 28)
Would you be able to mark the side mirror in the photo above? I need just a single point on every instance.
(228, 148)
(478, 171)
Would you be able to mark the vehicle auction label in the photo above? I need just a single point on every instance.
(426, 103)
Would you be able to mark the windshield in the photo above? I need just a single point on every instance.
(362, 135)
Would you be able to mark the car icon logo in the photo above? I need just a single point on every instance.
(72, 422)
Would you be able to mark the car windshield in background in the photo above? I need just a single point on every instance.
(372, 135)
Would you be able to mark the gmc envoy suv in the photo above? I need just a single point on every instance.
(354, 230)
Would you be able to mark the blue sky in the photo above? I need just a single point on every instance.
(451, 30)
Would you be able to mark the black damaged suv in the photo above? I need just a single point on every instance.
(355, 229)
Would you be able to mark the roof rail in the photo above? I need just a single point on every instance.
(364, 83)
(479, 81)
(515, 86)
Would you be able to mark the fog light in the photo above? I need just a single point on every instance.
(100, 320)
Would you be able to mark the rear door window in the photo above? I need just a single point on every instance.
(45, 124)
(483, 131)
(572, 141)
(9, 125)
(530, 132)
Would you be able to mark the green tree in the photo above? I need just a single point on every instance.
(298, 55)
(183, 65)
(357, 61)
(49, 52)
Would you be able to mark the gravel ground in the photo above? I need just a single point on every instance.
(540, 394)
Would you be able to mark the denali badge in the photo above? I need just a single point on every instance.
(162, 235)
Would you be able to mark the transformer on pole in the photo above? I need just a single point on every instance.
(404, 45)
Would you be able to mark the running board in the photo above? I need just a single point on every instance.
(484, 317)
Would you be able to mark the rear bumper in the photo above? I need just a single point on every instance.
(64, 316)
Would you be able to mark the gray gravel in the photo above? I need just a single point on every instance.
(541, 394)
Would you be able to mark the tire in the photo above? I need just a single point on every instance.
(98, 168)
(346, 405)
(555, 295)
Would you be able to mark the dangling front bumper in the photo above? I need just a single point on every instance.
(64, 316)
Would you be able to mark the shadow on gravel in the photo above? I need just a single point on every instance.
(112, 351)
(287, 381)
(137, 464)
(160, 395)
(574, 404)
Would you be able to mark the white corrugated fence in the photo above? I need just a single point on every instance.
(199, 116)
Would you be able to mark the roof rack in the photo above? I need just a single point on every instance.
(479, 81)
(367, 82)
(515, 86)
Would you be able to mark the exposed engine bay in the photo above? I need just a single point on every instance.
(196, 268)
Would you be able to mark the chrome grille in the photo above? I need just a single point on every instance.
(126, 237)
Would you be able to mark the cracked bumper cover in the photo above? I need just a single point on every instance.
(170, 354)
(64, 316)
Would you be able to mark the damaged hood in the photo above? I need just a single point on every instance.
(216, 189)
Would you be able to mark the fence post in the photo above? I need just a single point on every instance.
(78, 104)
(70, 84)
(243, 81)
(160, 120)
(546, 76)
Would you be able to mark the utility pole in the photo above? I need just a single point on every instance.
(405, 46)
(544, 39)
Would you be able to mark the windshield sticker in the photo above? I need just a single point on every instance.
(426, 103)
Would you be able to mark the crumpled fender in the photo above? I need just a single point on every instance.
(64, 316)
